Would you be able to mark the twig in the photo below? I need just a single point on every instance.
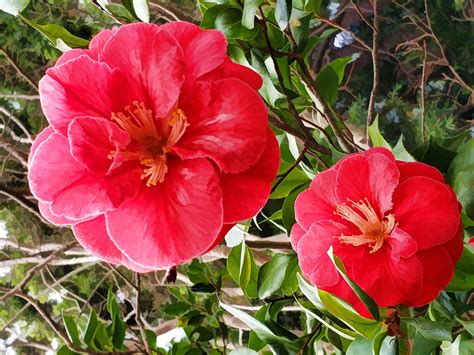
(18, 69)
(291, 168)
(138, 315)
(29, 275)
(163, 9)
(19, 97)
(17, 122)
(375, 67)
(22, 201)
(339, 27)
(361, 14)
(423, 102)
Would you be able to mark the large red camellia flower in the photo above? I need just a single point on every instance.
(157, 143)
(394, 225)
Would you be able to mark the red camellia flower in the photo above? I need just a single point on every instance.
(394, 225)
(157, 143)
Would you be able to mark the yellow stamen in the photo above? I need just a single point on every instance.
(363, 216)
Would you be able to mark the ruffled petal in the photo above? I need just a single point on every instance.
(92, 235)
(45, 209)
(438, 271)
(230, 69)
(92, 141)
(424, 208)
(227, 123)
(385, 277)
(173, 222)
(194, 40)
(319, 201)
(410, 169)
(295, 235)
(455, 245)
(373, 177)
(402, 243)
(40, 138)
(244, 194)
(83, 87)
(151, 59)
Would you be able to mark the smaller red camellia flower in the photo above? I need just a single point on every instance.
(395, 225)
(158, 143)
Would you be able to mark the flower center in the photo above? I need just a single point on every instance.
(150, 144)
(373, 231)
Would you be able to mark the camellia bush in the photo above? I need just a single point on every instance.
(236, 177)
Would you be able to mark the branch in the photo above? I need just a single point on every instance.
(375, 67)
(17, 122)
(138, 316)
(18, 69)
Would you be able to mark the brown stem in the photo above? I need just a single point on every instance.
(138, 316)
(375, 67)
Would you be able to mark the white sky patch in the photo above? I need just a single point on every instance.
(5, 270)
(56, 296)
(332, 8)
(165, 340)
(343, 39)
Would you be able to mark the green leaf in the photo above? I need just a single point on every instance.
(310, 291)
(64, 350)
(329, 77)
(312, 5)
(56, 34)
(296, 178)
(440, 331)
(283, 13)
(423, 346)
(71, 330)
(176, 309)
(290, 283)
(112, 306)
(448, 348)
(243, 351)
(400, 152)
(271, 275)
(13, 7)
(432, 153)
(365, 327)
(229, 21)
(461, 176)
(243, 270)
(469, 326)
(463, 279)
(118, 333)
(102, 340)
(364, 297)
(375, 136)
(262, 331)
(288, 209)
(138, 9)
(203, 287)
(248, 13)
(360, 346)
(339, 66)
(90, 329)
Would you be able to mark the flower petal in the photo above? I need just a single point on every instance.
(402, 243)
(312, 251)
(229, 69)
(45, 209)
(93, 139)
(373, 177)
(385, 277)
(410, 169)
(438, 271)
(173, 222)
(424, 208)
(319, 201)
(296, 234)
(40, 138)
(83, 87)
(193, 40)
(227, 123)
(152, 59)
(245, 193)
(92, 235)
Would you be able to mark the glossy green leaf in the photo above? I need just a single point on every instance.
(310, 291)
(118, 333)
(71, 329)
(102, 340)
(288, 209)
(295, 179)
(469, 326)
(90, 329)
(364, 297)
(451, 348)
(423, 346)
(138, 9)
(243, 351)
(329, 77)
(271, 275)
(229, 21)
(249, 11)
(112, 306)
(360, 346)
(400, 152)
(375, 136)
(290, 283)
(440, 331)
(463, 279)
(56, 34)
(432, 153)
(13, 7)
(176, 309)
(243, 270)
(64, 350)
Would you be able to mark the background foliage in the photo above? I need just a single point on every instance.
(339, 76)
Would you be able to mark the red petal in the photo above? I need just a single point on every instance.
(151, 59)
(385, 277)
(92, 235)
(319, 201)
(40, 138)
(296, 234)
(93, 139)
(402, 243)
(438, 271)
(204, 50)
(175, 221)
(230, 69)
(83, 87)
(244, 194)
(373, 177)
(455, 245)
(223, 232)
(227, 123)
(410, 169)
(424, 208)
(45, 209)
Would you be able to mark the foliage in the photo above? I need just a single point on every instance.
(247, 295)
